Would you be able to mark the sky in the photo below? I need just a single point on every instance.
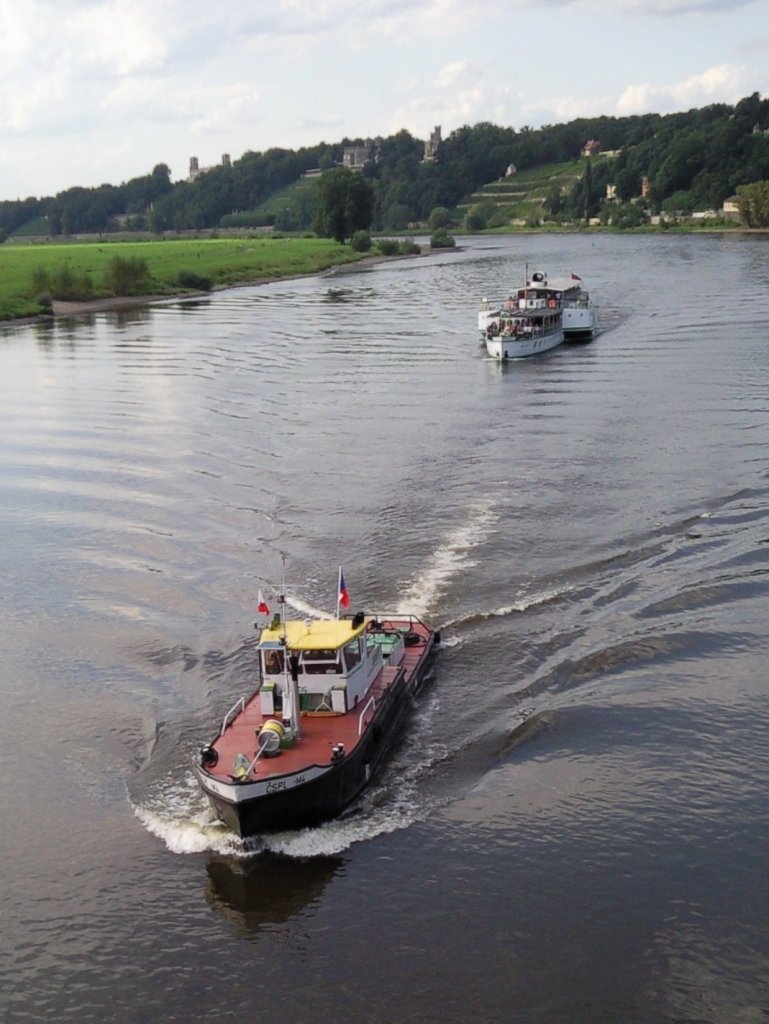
(95, 91)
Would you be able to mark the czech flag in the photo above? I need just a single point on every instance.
(344, 595)
(263, 608)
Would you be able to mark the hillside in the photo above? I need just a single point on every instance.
(676, 163)
(287, 209)
(519, 197)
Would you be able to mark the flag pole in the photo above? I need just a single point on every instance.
(282, 602)
(338, 591)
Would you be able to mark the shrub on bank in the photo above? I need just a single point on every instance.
(396, 247)
(63, 284)
(127, 275)
(442, 240)
(194, 281)
(361, 241)
(409, 247)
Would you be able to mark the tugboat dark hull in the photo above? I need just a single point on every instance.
(318, 792)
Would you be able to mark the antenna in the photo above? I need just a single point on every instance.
(282, 601)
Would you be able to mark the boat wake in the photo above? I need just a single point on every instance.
(524, 604)
(180, 817)
(304, 608)
(396, 801)
(453, 556)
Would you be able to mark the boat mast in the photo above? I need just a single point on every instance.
(291, 714)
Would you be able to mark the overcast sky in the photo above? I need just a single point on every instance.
(95, 91)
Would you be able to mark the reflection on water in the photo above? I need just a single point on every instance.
(253, 893)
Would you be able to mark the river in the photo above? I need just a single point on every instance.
(574, 826)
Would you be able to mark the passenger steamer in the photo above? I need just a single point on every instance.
(330, 695)
(529, 322)
(580, 318)
(569, 315)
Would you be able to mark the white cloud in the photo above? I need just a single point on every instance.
(109, 38)
(652, 8)
(136, 82)
(459, 93)
(18, 30)
(455, 74)
(725, 83)
(676, 7)
(494, 11)
(133, 98)
(20, 110)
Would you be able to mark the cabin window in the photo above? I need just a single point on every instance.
(319, 662)
(273, 662)
(352, 653)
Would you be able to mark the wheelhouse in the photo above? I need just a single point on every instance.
(332, 661)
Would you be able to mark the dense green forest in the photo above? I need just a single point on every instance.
(688, 161)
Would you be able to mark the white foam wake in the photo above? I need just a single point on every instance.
(304, 608)
(180, 817)
(450, 558)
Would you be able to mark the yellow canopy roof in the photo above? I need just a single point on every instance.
(320, 634)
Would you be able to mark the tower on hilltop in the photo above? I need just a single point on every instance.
(431, 146)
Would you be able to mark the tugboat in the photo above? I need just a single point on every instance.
(330, 695)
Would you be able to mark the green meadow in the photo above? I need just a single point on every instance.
(224, 262)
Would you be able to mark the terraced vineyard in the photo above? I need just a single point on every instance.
(518, 198)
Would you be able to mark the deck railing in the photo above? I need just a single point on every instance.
(239, 704)
(371, 702)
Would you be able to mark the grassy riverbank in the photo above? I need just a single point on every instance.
(225, 262)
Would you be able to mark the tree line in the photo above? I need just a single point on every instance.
(691, 160)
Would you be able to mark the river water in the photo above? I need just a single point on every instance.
(575, 826)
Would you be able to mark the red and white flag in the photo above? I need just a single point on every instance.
(344, 594)
(262, 607)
